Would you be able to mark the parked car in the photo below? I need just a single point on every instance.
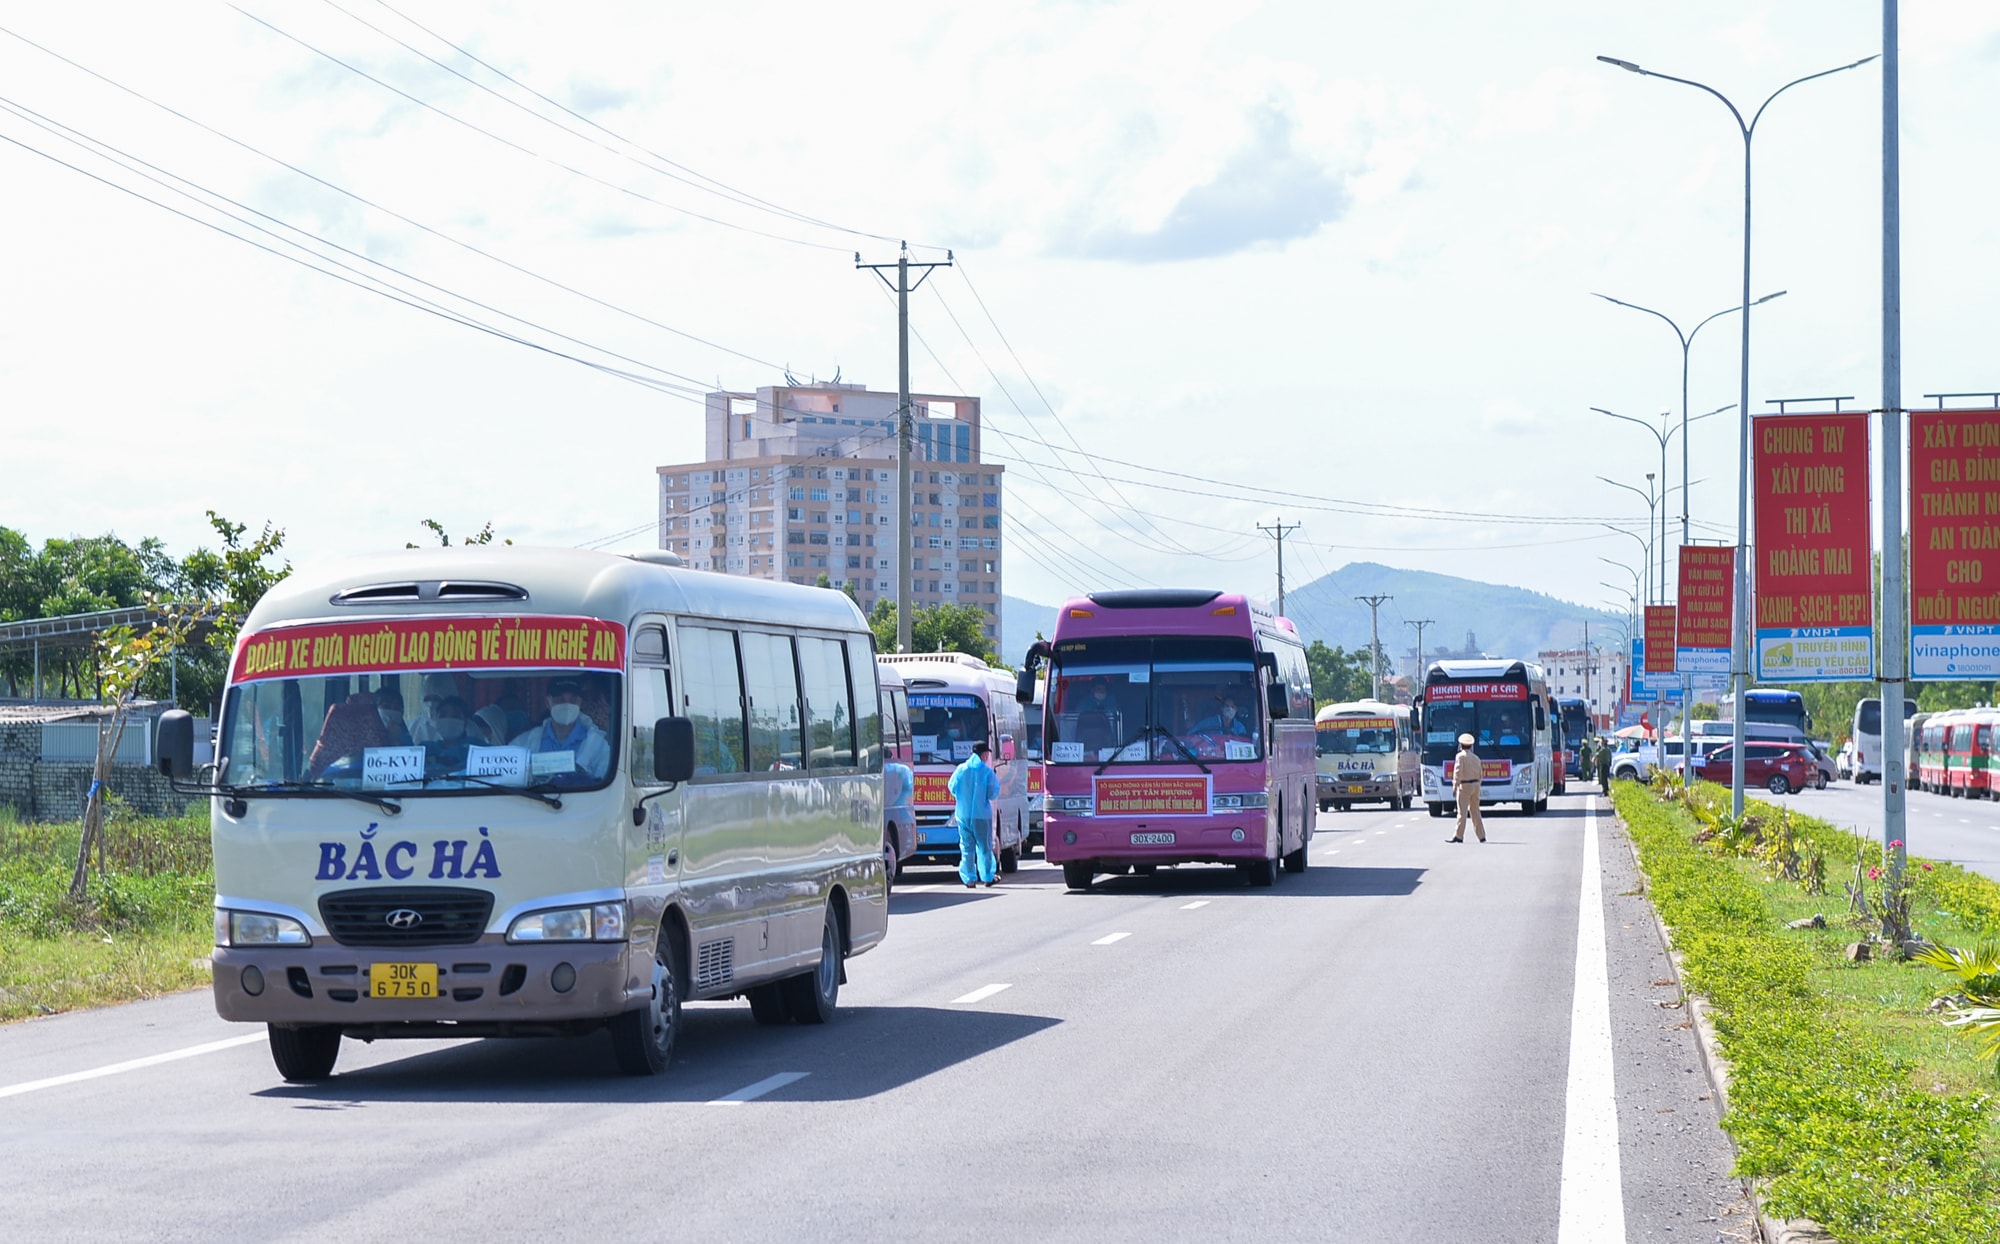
(1634, 760)
(1781, 768)
(1843, 763)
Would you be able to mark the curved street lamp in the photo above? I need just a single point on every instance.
(1740, 638)
(1651, 501)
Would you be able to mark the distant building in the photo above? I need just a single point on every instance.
(800, 482)
(1470, 652)
(1594, 674)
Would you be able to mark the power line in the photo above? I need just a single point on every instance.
(527, 151)
(693, 179)
(1280, 531)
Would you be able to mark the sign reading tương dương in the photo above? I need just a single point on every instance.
(1955, 544)
(1813, 578)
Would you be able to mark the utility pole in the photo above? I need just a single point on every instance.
(905, 433)
(1374, 604)
(1280, 531)
(1892, 632)
(1420, 624)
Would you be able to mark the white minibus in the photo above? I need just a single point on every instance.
(957, 700)
(515, 792)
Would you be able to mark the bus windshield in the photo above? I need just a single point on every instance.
(944, 725)
(421, 732)
(1357, 736)
(1136, 700)
(1500, 729)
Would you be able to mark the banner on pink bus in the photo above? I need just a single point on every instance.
(1152, 796)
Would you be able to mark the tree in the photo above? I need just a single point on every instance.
(1337, 674)
(939, 628)
(436, 528)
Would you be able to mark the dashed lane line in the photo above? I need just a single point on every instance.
(751, 1092)
(134, 1064)
(1109, 938)
(1200, 902)
(980, 994)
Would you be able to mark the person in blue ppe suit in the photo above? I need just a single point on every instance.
(974, 787)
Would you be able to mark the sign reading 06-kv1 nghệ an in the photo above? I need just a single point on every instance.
(1707, 609)
(1955, 544)
(1659, 639)
(1813, 574)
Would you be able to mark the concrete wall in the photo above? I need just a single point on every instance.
(39, 791)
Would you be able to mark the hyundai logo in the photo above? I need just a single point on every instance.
(403, 918)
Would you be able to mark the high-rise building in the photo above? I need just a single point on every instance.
(800, 482)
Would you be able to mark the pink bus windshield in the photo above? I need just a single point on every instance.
(1132, 700)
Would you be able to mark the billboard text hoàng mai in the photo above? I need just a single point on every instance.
(1955, 544)
(1813, 574)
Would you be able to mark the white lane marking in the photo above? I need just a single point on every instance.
(1593, 1199)
(1200, 902)
(751, 1092)
(980, 994)
(151, 1060)
(1109, 938)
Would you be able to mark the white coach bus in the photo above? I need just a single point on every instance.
(515, 792)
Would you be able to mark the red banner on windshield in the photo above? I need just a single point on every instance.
(397, 645)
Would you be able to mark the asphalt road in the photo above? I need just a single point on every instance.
(1964, 831)
(1391, 1046)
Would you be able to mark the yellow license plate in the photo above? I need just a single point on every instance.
(1354, 790)
(403, 980)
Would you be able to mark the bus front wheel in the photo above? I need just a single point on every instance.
(1261, 873)
(305, 1054)
(1077, 874)
(642, 1041)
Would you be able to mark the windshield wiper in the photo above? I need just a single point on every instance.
(540, 794)
(1144, 732)
(320, 787)
(1175, 739)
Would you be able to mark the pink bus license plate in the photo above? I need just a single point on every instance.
(1153, 840)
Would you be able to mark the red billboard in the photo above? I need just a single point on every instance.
(1707, 606)
(1813, 578)
(1659, 639)
(1955, 544)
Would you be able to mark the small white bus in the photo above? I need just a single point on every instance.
(957, 700)
(518, 792)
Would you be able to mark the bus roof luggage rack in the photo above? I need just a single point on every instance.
(1154, 598)
(933, 658)
(429, 591)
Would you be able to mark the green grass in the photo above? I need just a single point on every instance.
(1857, 1108)
(144, 930)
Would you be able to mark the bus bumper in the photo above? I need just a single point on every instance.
(1110, 840)
(488, 988)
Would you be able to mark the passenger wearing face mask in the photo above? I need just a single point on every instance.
(450, 726)
(566, 729)
(389, 705)
(1224, 721)
(437, 687)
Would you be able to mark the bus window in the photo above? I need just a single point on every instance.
(714, 698)
(823, 670)
(772, 679)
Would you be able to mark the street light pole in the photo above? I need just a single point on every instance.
(1651, 501)
(1739, 660)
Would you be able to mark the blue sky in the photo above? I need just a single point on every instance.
(1339, 252)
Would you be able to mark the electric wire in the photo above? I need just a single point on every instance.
(528, 151)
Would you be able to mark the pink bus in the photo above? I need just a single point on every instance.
(1177, 728)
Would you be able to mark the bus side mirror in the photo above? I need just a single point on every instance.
(1277, 701)
(1024, 685)
(673, 749)
(173, 744)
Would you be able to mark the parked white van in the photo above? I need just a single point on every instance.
(517, 792)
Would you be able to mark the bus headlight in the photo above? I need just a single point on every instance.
(599, 922)
(1232, 802)
(255, 928)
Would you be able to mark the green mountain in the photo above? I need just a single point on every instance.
(1501, 620)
